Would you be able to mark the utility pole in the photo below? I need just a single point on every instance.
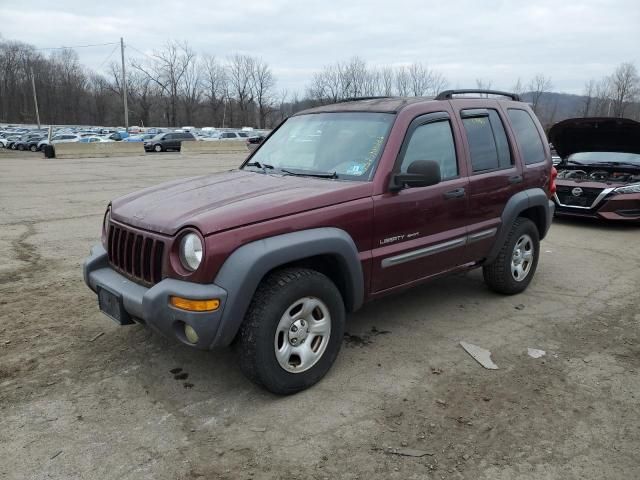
(124, 87)
(35, 97)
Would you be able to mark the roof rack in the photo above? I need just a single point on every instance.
(355, 99)
(448, 94)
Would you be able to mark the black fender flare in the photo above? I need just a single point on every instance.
(521, 201)
(243, 270)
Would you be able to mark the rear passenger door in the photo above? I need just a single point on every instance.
(495, 174)
(420, 232)
(171, 141)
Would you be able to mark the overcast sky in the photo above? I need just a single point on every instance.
(501, 41)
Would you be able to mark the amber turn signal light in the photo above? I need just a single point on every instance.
(195, 305)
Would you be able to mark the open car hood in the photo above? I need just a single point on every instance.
(597, 134)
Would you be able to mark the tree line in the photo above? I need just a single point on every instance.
(175, 85)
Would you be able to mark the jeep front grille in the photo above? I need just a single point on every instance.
(135, 255)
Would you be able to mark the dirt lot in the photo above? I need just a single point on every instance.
(77, 405)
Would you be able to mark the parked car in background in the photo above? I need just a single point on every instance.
(168, 141)
(139, 138)
(59, 138)
(599, 175)
(29, 142)
(233, 136)
(254, 142)
(12, 140)
(95, 139)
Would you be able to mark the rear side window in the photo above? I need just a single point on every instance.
(433, 141)
(488, 144)
(527, 135)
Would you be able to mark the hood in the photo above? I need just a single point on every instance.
(595, 135)
(226, 200)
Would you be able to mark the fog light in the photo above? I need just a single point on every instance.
(191, 334)
(195, 305)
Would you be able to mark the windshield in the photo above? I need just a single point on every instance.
(347, 143)
(586, 158)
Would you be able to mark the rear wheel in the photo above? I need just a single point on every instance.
(21, 147)
(512, 271)
(292, 332)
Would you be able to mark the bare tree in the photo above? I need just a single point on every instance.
(539, 85)
(215, 85)
(262, 84)
(403, 82)
(167, 69)
(625, 87)
(386, 81)
(240, 71)
(589, 91)
(602, 98)
(517, 88)
(191, 87)
(483, 84)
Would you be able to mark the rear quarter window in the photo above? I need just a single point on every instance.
(527, 135)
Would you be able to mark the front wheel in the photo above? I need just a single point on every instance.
(292, 332)
(21, 148)
(157, 148)
(512, 271)
(33, 148)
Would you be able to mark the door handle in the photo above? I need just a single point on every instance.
(516, 179)
(457, 193)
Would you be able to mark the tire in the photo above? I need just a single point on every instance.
(20, 148)
(33, 148)
(267, 344)
(512, 271)
(157, 148)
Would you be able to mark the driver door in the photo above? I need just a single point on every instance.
(420, 232)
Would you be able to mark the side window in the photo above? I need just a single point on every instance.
(527, 135)
(433, 141)
(488, 144)
(169, 136)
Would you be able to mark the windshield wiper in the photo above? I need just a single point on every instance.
(310, 174)
(262, 166)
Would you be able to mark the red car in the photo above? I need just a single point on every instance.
(599, 175)
(340, 205)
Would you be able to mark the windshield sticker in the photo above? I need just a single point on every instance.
(355, 169)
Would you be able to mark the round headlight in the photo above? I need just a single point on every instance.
(191, 251)
(107, 220)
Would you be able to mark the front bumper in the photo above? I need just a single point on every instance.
(623, 208)
(151, 305)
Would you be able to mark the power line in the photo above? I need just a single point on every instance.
(139, 51)
(78, 46)
(108, 57)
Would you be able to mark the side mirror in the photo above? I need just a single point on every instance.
(420, 173)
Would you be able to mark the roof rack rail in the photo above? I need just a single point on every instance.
(448, 94)
(355, 99)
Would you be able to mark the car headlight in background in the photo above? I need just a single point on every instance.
(191, 251)
(635, 188)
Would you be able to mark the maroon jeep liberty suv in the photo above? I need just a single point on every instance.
(340, 205)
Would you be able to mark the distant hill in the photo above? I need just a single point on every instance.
(555, 107)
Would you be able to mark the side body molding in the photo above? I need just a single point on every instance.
(521, 201)
(244, 269)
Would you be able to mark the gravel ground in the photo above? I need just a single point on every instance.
(81, 397)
